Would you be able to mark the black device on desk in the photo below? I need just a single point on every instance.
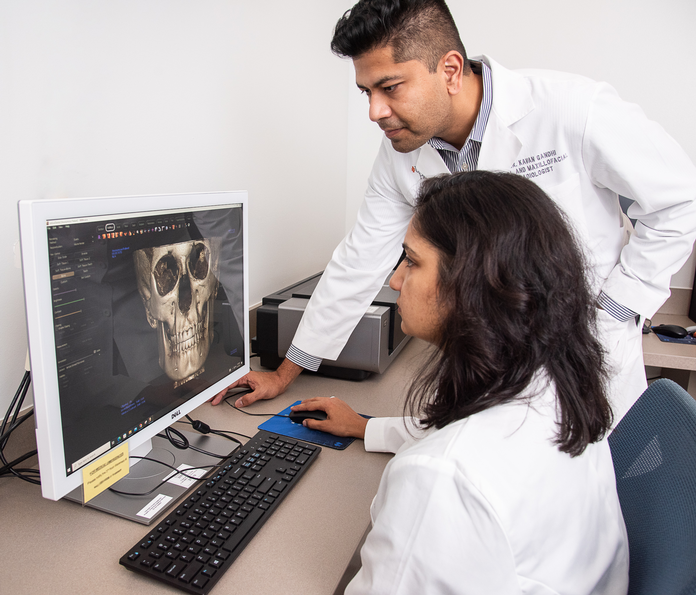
(197, 542)
(373, 345)
(670, 330)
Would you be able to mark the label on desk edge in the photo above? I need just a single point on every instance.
(154, 506)
(193, 474)
(104, 472)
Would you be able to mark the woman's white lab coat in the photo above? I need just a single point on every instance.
(489, 505)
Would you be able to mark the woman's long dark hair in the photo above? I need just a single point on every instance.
(513, 284)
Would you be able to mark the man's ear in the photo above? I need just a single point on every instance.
(452, 67)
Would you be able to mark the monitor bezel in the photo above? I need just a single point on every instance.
(33, 218)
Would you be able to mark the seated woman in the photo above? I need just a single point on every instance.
(505, 483)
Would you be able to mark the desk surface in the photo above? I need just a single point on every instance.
(669, 355)
(304, 548)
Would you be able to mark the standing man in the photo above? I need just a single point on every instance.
(442, 113)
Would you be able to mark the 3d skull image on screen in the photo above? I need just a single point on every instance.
(178, 284)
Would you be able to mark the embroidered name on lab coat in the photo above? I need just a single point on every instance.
(538, 165)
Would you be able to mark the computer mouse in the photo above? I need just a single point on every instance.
(670, 330)
(299, 416)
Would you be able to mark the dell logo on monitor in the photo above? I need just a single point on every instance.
(176, 414)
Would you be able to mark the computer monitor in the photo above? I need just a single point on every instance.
(137, 313)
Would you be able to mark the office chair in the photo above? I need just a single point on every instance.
(654, 453)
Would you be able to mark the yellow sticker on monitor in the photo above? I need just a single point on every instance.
(104, 472)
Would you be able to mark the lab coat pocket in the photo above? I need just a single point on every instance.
(622, 343)
(618, 340)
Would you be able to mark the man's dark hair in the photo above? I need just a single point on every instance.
(421, 30)
(513, 285)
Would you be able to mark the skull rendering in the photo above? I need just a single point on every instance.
(177, 284)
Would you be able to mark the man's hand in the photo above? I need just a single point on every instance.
(263, 385)
(341, 420)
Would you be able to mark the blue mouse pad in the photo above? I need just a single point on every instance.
(283, 426)
(688, 340)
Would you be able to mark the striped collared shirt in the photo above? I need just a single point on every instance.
(618, 311)
(466, 159)
(306, 361)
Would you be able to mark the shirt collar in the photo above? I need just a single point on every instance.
(479, 127)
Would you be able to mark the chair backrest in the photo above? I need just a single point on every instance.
(654, 454)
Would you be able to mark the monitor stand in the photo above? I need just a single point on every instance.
(145, 475)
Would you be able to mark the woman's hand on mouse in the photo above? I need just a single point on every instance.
(341, 420)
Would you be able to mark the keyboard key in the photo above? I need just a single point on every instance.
(160, 565)
(189, 572)
(267, 484)
(176, 569)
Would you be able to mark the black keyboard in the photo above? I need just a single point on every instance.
(197, 542)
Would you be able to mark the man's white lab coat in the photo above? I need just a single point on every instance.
(584, 146)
